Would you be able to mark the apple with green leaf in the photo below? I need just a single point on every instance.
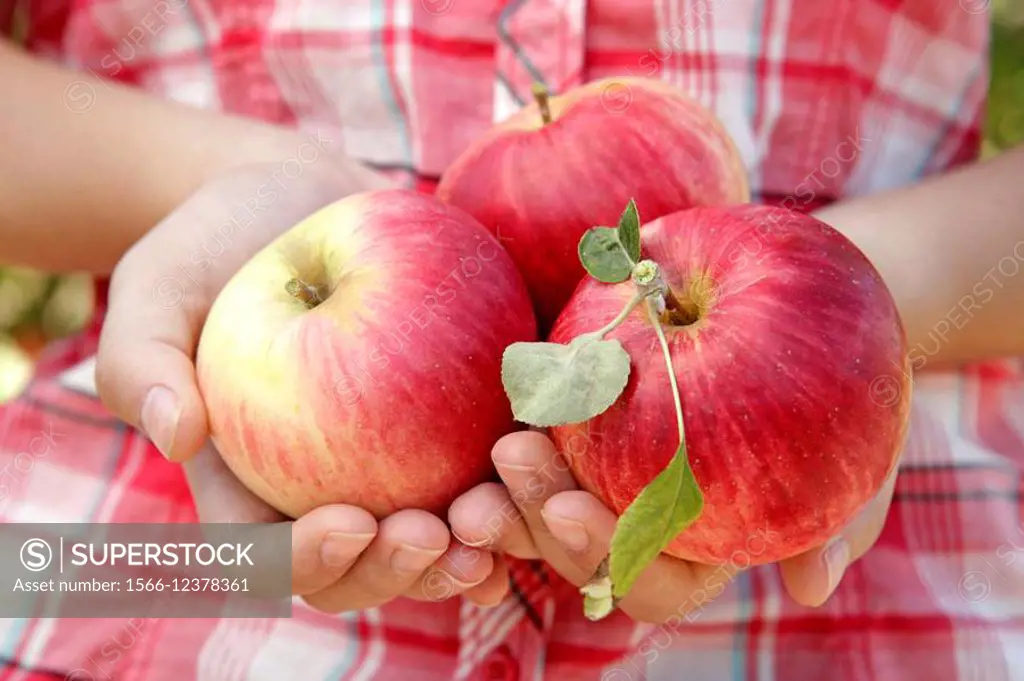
(715, 382)
(562, 164)
(357, 358)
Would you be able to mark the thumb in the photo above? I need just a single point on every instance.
(159, 295)
(813, 576)
(159, 298)
(144, 370)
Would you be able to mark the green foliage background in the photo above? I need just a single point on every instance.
(1005, 122)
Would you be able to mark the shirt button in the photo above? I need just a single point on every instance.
(500, 666)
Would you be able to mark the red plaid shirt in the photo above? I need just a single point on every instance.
(824, 99)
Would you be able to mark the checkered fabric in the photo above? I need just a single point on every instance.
(824, 99)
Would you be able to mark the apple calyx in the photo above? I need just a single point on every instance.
(552, 384)
(541, 96)
(308, 294)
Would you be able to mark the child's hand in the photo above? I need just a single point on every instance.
(541, 513)
(160, 292)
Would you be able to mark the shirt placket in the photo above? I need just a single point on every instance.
(509, 642)
(538, 41)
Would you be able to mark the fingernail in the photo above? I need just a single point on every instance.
(160, 414)
(514, 468)
(460, 583)
(573, 535)
(340, 548)
(836, 558)
(476, 544)
(409, 558)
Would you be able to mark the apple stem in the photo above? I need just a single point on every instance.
(637, 298)
(652, 311)
(649, 286)
(671, 302)
(306, 293)
(540, 95)
(677, 313)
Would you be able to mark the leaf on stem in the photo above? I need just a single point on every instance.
(604, 257)
(663, 509)
(629, 231)
(608, 254)
(552, 384)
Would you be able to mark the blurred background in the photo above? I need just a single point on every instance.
(37, 308)
(1005, 124)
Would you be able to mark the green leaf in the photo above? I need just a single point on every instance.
(629, 231)
(663, 509)
(603, 255)
(552, 384)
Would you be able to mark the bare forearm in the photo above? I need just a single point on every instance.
(952, 252)
(87, 166)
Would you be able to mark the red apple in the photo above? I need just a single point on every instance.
(792, 367)
(539, 185)
(357, 359)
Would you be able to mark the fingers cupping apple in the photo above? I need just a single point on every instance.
(729, 383)
(344, 559)
(366, 345)
(713, 422)
(344, 556)
(812, 576)
(541, 512)
(412, 554)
